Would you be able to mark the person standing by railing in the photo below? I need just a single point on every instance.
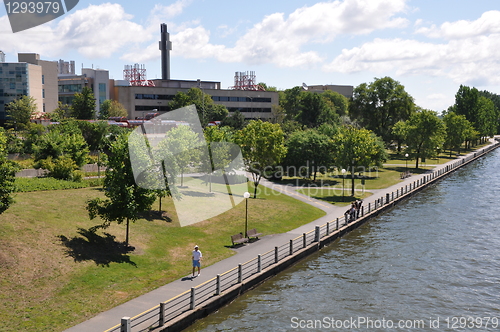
(196, 257)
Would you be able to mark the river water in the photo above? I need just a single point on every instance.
(432, 263)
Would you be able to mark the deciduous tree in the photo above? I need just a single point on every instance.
(84, 105)
(20, 112)
(378, 106)
(125, 199)
(309, 150)
(263, 147)
(356, 149)
(423, 133)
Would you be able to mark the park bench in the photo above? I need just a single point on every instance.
(238, 239)
(253, 233)
(405, 175)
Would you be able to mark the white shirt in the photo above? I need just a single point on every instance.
(197, 255)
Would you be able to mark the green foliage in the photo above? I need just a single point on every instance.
(20, 111)
(423, 133)
(487, 117)
(43, 184)
(291, 100)
(315, 110)
(31, 136)
(340, 103)
(378, 106)
(125, 199)
(14, 142)
(263, 146)
(466, 103)
(458, 129)
(63, 111)
(7, 175)
(356, 150)
(309, 150)
(112, 108)
(59, 151)
(205, 106)
(84, 105)
(235, 121)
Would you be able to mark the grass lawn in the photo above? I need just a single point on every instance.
(334, 196)
(55, 273)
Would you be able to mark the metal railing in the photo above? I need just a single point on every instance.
(166, 311)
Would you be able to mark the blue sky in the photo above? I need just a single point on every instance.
(431, 47)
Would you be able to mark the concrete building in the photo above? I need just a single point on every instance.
(69, 83)
(28, 77)
(139, 100)
(345, 90)
(49, 79)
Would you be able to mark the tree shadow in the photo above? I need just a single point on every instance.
(103, 250)
(157, 215)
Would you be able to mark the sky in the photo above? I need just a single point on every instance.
(430, 47)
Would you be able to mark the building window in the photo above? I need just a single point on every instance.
(43, 79)
(43, 93)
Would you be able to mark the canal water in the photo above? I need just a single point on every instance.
(432, 263)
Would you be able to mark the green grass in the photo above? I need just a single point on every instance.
(40, 184)
(54, 273)
(334, 195)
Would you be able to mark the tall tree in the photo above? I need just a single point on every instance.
(315, 110)
(263, 147)
(290, 100)
(125, 199)
(7, 175)
(340, 102)
(308, 150)
(466, 103)
(487, 117)
(20, 112)
(205, 106)
(358, 149)
(458, 129)
(423, 133)
(378, 106)
(84, 105)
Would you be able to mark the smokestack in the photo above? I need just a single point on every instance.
(165, 47)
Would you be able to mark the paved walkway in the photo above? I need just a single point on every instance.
(110, 318)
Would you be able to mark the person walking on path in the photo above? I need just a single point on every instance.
(196, 260)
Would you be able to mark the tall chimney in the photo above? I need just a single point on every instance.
(165, 47)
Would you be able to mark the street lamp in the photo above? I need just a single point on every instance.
(343, 179)
(406, 155)
(247, 196)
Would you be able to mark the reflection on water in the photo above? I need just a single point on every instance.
(432, 257)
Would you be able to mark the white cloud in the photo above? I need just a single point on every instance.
(466, 60)
(95, 32)
(279, 40)
(488, 23)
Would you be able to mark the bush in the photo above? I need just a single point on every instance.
(39, 184)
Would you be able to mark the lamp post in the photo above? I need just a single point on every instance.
(343, 179)
(406, 155)
(247, 196)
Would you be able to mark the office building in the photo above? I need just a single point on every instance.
(30, 76)
(69, 83)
